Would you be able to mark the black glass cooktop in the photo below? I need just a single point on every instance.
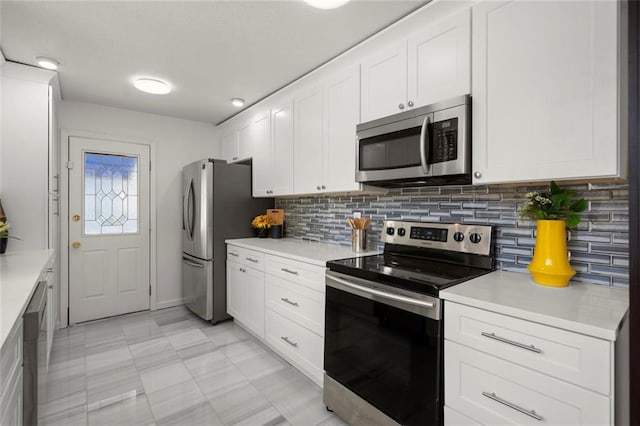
(414, 274)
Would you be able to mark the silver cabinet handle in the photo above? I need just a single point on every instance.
(401, 106)
(242, 270)
(318, 188)
(190, 263)
(234, 158)
(511, 342)
(324, 187)
(289, 271)
(286, 339)
(477, 175)
(284, 299)
(234, 254)
(492, 396)
(251, 259)
(410, 103)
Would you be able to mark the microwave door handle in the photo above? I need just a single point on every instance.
(425, 144)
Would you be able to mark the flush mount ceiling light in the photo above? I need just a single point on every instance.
(326, 4)
(237, 102)
(152, 85)
(48, 63)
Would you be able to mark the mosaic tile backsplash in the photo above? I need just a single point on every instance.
(599, 247)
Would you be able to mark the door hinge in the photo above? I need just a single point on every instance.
(69, 164)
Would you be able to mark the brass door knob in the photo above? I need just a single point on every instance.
(75, 218)
(75, 245)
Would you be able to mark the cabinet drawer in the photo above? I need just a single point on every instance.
(494, 391)
(11, 357)
(295, 302)
(12, 400)
(251, 258)
(573, 357)
(300, 346)
(310, 276)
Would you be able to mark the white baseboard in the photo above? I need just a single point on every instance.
(169, 303)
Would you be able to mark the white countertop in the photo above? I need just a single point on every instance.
(590, 309)
(315, 253)
(19, 273)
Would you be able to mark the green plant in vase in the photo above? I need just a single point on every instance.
(554, 211)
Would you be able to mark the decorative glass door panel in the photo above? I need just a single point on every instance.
(110, 194)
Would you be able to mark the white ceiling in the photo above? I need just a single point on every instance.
(209, 51)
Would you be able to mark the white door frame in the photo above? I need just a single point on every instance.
(64, 216)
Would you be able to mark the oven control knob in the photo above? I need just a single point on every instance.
(390, 231)
(458, 236)
(401, 232)
(475, 238)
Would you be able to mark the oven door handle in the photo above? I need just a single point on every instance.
(425, 142)
(382, 294)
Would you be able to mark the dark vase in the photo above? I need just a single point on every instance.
(262, 232)
(3, 245)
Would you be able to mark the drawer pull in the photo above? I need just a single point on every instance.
(284, 299)
(242, 270)
(496, 398)
(289, 271)
(511, 342)
(251, 259)
(286, 339)
(234, 254)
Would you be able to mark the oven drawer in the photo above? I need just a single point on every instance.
(305, 274)
(251, 258)
(494, 391)
(300, 346)
(295, 302)
(573, 357)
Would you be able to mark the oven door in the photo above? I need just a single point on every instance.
(386, 347)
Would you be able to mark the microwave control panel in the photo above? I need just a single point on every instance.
(445, 140)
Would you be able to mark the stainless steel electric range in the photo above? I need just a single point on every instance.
(383, 355)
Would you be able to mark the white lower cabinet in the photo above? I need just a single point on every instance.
(245, 289)
(11, 373)
(281, 301)
(505, 370)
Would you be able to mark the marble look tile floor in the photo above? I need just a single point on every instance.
(169, 367)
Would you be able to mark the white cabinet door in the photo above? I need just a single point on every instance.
(342, 114)
(384, 82)
(244, 147)
(308, 137)
(439, 61)
(254, 295)
(235, 290)
(544, 90)
(282, 148)
(230, 145)
(262, 157)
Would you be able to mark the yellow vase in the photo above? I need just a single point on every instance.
(550, 264)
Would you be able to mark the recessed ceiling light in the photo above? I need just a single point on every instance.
(48, 63)
(326, 4)
(152, 85)
(237, 102)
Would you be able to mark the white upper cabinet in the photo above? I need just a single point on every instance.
(326, 115)
(230, 144)
(430, 66)
(273, 160)
(439, 60)
(238, 140)
(545, 91)
(308, 137)
(341, 115)
(262, 156)
(384, 82)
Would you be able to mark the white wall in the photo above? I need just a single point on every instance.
(174, 143)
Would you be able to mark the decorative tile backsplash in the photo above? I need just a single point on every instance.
(599, 247)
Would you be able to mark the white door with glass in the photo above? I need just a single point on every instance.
(108, 228)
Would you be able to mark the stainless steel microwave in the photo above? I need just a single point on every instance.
(430, 145)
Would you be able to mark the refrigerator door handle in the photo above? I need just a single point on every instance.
(190, 210)
(190, 263)
(185, 197)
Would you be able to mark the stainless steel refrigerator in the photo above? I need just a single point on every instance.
(217, 205)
